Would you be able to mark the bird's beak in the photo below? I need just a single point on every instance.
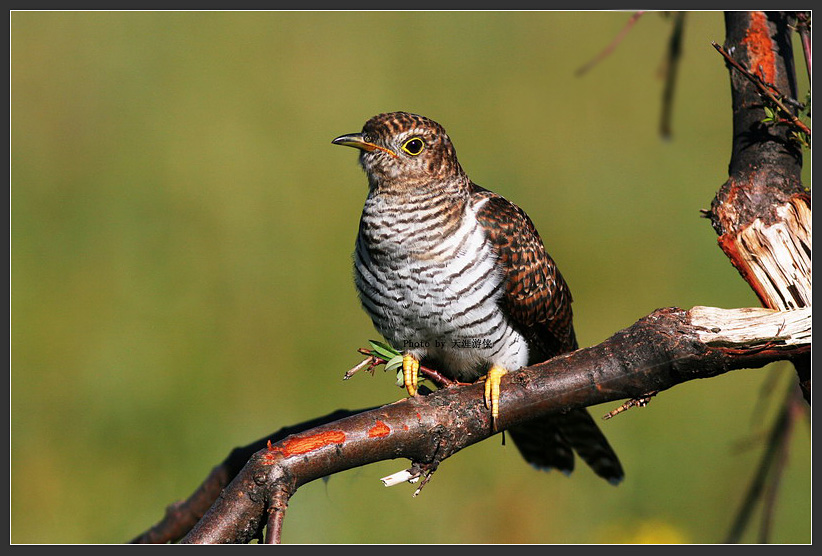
(356, 140)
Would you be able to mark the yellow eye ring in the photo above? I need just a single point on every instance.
(413, 146)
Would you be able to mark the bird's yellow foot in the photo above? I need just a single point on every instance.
(492, 380)
(410, 371)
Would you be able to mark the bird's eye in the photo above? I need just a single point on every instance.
(413, 146)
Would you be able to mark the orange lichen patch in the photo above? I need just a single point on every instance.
(379, 430)
(305, 444)
(760, 48)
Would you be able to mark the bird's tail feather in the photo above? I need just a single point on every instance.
(550, 442)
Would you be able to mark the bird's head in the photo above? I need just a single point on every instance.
(402, 150)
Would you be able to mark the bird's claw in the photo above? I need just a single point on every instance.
(410, 373)
(492, 380)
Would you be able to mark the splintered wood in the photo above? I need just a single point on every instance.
(778, 256)
(751, 326)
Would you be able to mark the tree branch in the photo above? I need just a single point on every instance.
(762, 213)
(666, 348)
(181, 517)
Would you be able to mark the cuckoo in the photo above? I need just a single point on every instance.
(457, 278)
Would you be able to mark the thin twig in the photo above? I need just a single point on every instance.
(803, 26)
(373, 360)
(671, 67)
(633, 402)
(766, 90)
(610, 48)
(770, 467)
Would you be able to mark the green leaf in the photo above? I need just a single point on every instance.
(383, 350)
(393, 363)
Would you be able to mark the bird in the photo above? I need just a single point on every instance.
(457, 278)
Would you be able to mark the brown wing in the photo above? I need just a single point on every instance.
(538, 301)
(536, 298)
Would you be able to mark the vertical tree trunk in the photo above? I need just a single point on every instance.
(761, 41)
(762, 213)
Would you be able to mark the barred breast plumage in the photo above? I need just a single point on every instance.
(427, 275)
(457, 277)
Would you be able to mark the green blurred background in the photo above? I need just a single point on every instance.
(181, 238)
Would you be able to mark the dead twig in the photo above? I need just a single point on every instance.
(767, 90)
(765, 483)
(610, 48)
(671, 72)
